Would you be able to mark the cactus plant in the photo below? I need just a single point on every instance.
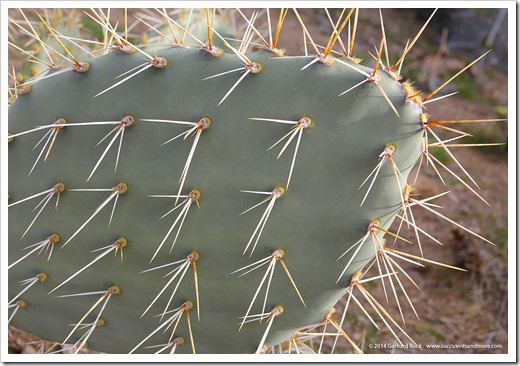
(243, 193)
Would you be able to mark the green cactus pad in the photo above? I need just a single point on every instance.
(315, 221)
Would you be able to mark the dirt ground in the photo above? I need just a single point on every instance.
(454, 307)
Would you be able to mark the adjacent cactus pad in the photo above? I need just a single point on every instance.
(206, 188)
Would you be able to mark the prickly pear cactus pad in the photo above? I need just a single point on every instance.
(173, 197)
